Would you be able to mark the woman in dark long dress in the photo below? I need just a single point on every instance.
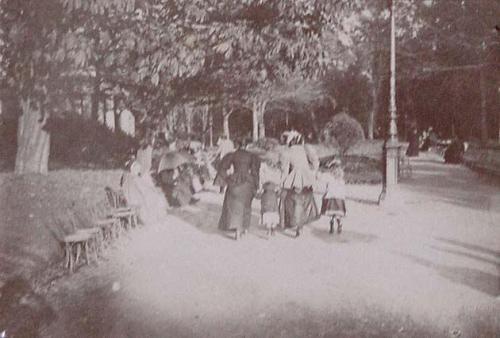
(241, 188)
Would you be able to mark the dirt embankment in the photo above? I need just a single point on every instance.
(29, 208)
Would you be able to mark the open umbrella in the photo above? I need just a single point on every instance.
(173, 160)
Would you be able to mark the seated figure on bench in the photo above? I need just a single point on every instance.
(139, 189)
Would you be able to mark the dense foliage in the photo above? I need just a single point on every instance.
(343, 130)
(173, 63)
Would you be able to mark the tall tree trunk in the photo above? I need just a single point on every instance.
(33, 142)
(262, 125)
(204, 125)
(116, 114)
(171, 120)
(373, 112)
(189, 119)
(96, 95)
(211, 129)
(225, 122)
(375, 89)
(255, 120)
(314, 122)
(484, 113)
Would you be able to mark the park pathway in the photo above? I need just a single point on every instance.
(425, 264)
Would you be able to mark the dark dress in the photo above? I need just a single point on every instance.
(178, 190)
(241, 188)
(454, 153)
(413, 144)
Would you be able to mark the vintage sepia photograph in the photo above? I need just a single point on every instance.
(249, 168)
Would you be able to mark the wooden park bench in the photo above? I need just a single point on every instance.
(78, 240)
(119, 209)
(484, 160)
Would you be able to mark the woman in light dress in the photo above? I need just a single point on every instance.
(299, 165)
(139, 188)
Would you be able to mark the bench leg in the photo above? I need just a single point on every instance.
(78, 252)
(86, 251)
(71, 261)
(95, 249)
(67, 255)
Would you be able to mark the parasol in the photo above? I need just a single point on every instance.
(173, 160)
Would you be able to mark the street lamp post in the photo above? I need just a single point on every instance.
(392, 144)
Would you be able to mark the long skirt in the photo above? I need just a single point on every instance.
(237, 206)
(297, 208)
(178, 192)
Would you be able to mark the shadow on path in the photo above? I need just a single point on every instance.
(347, 236)
(453, 184)
(468, 255)
(204, 216)
(476, 279)
(472, 247)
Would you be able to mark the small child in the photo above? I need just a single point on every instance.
(269, 199)
(333, 203)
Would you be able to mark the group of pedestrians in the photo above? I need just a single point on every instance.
(287, 197)
(288, 201)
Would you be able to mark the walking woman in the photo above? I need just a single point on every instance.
(242, 185)
(299, 164)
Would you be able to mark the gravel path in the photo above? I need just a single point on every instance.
(426, 263)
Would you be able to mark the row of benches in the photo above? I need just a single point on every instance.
(484, 159)
(101, 225)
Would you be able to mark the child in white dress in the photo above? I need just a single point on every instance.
(269, 201)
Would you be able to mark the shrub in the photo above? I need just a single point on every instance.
(82, 143)
(345, 130)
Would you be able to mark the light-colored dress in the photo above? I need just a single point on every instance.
(333, 203)
(269, 207)
(140, 190)
(299, 164)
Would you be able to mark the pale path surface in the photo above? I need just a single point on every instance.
(432, 253)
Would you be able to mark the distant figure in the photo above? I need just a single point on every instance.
(430, 140)
(299, 164)
(225, 146)
(455, 152)
(413, 146)
(241, 188)
(333, 203)
(145, 154)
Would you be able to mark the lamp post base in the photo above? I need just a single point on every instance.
(391, 163)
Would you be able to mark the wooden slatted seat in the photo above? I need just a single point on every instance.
(118, 208)
(74, 244)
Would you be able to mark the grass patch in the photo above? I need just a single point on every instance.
(28, 207)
